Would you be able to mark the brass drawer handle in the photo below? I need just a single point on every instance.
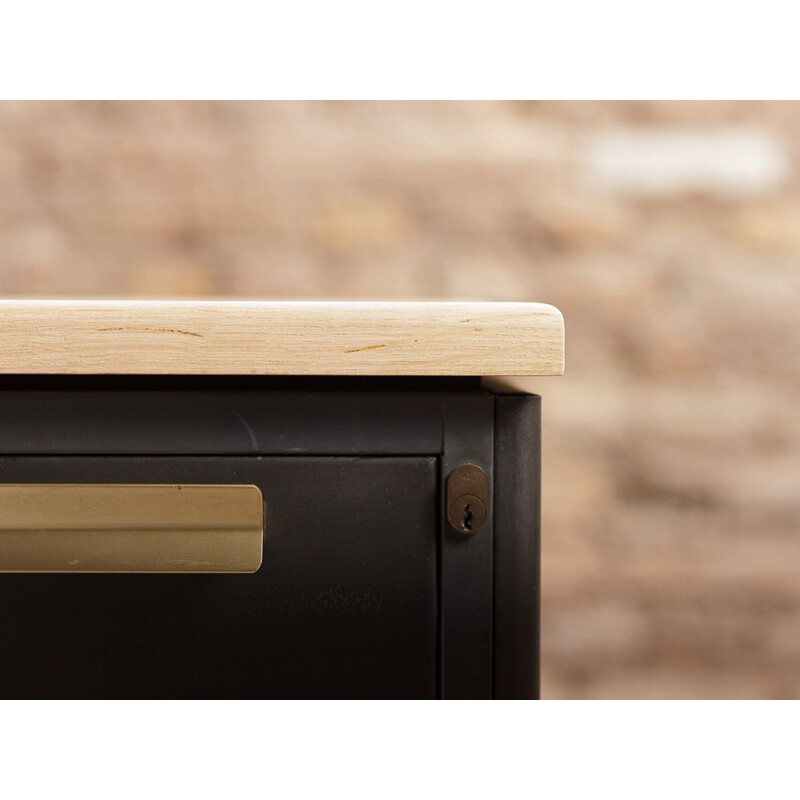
(59, 527)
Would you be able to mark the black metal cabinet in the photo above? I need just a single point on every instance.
(365, 589)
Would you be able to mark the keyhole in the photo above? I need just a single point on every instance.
(466, 521)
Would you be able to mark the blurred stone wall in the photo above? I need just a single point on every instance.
(668, 233)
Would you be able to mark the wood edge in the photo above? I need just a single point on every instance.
(545, 319)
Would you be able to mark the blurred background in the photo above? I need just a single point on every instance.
(667, 233)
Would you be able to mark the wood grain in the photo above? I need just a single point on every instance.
(279, 338)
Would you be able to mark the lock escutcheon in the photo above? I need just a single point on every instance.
(467, 498)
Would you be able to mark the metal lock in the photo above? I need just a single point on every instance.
(467, 498)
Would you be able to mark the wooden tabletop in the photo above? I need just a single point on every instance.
(228, 337)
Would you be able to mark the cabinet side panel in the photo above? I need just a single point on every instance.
(517, 504)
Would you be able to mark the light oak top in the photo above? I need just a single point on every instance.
(279, 338)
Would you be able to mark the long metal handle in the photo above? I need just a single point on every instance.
(48, 527)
